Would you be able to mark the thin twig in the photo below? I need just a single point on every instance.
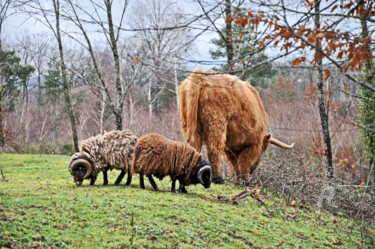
(236, 198)
(2, 174)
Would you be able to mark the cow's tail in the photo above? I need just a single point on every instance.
(189, 92)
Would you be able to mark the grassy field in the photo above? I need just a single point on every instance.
(41, 207)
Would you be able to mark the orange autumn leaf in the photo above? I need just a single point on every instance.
(327, 73)
(298, 61)
(240, 35)
(334, 7)
(320, 35)
(228, 18)
(135, 59)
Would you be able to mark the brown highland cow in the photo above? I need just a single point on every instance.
(227, 115)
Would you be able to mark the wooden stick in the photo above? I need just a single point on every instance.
(236, 198)
(2, 174)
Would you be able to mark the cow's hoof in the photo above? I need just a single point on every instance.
(218, 180)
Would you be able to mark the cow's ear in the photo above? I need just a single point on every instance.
(267, 137)
(266, 141)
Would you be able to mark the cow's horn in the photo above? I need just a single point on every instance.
(84, 163)
(203, 170)
(280, 144)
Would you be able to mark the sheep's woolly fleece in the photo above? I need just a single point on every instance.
(114, 149)
(159, 156)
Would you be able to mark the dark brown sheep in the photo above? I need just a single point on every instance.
(113, 150)
(159, 156)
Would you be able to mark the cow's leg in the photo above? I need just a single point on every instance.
(216, 137)
(119, 178)
(214, 159)
(232, 158)
(248, 161)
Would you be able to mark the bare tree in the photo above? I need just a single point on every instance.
(51, 18)
(4, 14)
(4, 6)
(112, 35)
(163, 46)
(322, 103)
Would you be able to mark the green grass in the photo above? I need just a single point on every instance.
(40, 206)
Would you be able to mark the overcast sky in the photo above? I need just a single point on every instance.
(16, 26)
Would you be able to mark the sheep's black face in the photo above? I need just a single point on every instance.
(81, 168)
(206, 177)
(79, 173)
(202, 173)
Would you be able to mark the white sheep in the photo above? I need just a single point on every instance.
(113, 150)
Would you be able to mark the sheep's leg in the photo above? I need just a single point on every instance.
(173, 189)
(93, 179)
(119, 178)
(105, 176)
(182, 188)
(152, 182)
(129, 180)
(141, 181)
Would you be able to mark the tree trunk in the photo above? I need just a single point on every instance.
(228, 34)
(39, 99)
(176, 89)
(367, 108)
(322, 104)
(119, 89)
(101, 121)
(149, 98)
(118, 117)
(2, 136)
(68, 97)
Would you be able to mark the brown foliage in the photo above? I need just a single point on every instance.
(339, 44)
(284, 89)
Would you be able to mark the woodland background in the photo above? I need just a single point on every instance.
(104, 65)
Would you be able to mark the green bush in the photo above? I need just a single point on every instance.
(49, 148)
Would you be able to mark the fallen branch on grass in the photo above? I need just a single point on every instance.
(2, 174)
(247, 192)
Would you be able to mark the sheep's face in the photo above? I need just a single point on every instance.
(202, 173)
(81, 167)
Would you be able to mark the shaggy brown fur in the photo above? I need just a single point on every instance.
(113, 150)
(229, 120)
(159, 156)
